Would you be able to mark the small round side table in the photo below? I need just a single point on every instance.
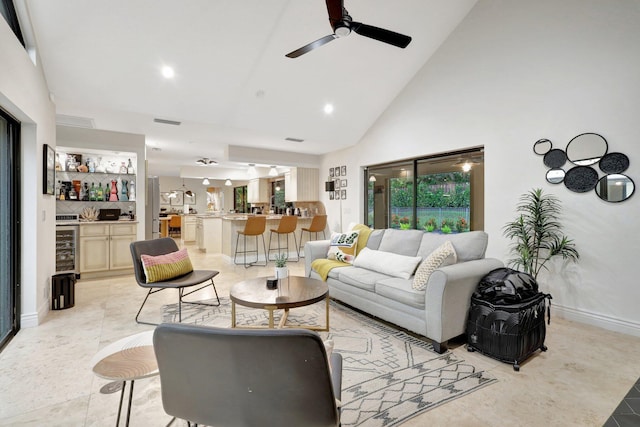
(129, 359)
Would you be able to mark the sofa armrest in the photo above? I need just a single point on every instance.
(314, 249)
(448, 296)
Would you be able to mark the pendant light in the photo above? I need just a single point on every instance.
(273, 171)
(228, 183)
(205, 181)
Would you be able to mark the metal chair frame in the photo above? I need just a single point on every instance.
(196, 277)
(286, 226)
(318, 224)
(255, 227)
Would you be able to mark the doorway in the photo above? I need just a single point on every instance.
(9, 227)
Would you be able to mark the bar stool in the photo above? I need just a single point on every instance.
(286, 226)
(175, 225)
(254, 227)
(318, 224)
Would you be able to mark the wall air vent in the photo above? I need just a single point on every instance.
(167, 122)
(294, 139)
(75, 121)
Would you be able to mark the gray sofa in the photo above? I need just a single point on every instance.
(440, 311)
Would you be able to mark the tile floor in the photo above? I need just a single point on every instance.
(46, 378)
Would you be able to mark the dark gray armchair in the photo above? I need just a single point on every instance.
(164, 246)
(247, 377)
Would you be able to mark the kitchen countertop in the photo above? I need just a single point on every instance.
(81, 222)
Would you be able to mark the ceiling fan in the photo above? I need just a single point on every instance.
(343, 24)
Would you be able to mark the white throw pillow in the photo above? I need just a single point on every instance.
(387, 262)
(444, 255)
(343, 246)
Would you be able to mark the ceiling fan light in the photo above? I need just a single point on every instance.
(228, 183)
(273, 171)
(342, 29)
(205, 181)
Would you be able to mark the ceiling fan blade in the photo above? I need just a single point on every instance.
(380, 34)
(308, 48)
(335, 9)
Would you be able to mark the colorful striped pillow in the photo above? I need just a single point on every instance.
(164, 267)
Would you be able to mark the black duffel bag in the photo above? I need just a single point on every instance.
(506, 286)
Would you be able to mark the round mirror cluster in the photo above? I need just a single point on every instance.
(583, 152)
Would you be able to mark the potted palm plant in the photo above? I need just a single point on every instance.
(537, 234)
(281, 266)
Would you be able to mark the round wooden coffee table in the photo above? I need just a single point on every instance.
(292, 292)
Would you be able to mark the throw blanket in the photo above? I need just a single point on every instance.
(324, 266)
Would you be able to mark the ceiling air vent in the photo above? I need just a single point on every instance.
(167, 122)
(75, 121)
(294, 139)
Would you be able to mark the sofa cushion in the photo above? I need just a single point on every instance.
(360, 277)
(401, 290)
(468, 246)
(343, 246)
(402, 242)
(443, 256)
(388, 263)
(375, 238)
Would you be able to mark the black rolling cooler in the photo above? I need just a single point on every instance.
(507, 317)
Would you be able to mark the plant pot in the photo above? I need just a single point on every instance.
(282, 272)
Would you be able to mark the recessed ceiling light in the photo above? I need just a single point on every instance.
(167, 72)
(328, 108)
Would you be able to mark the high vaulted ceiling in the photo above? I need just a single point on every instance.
(233, 86)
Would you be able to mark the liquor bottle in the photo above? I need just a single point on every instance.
(100, 193)
(85, 192)
(123, 168)
(123, 193)
(113, 193)
(132, 191)
(130, 170)
(92, 192)
(62, 191)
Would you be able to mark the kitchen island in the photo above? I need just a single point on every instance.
(231, 223)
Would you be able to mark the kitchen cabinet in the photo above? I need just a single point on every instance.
(301, 185)
(105, 247)
(188, 228)
(258, 191)
(209, 234)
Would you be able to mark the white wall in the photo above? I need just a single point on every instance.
(24, 95)
(511, 73)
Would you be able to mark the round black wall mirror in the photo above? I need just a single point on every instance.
(615, 188)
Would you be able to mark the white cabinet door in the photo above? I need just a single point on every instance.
(94, 254)
(119, 252)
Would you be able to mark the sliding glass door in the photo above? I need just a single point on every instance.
(9, 228)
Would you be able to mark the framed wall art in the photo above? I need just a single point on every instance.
(343, 194)
(343, 170)
(48, 170)
(331, 172)
(179, 199)
(190, 199)
(343, 183)
(164, 198)
(337, 173)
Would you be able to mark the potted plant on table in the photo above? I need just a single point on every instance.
(281, 266)
(537, 233)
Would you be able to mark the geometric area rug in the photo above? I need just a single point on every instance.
(388, 376)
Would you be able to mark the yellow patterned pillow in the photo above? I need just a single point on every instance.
(164, 267)
(444, 255)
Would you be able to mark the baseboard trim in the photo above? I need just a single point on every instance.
(599, 320)
(31, 320)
